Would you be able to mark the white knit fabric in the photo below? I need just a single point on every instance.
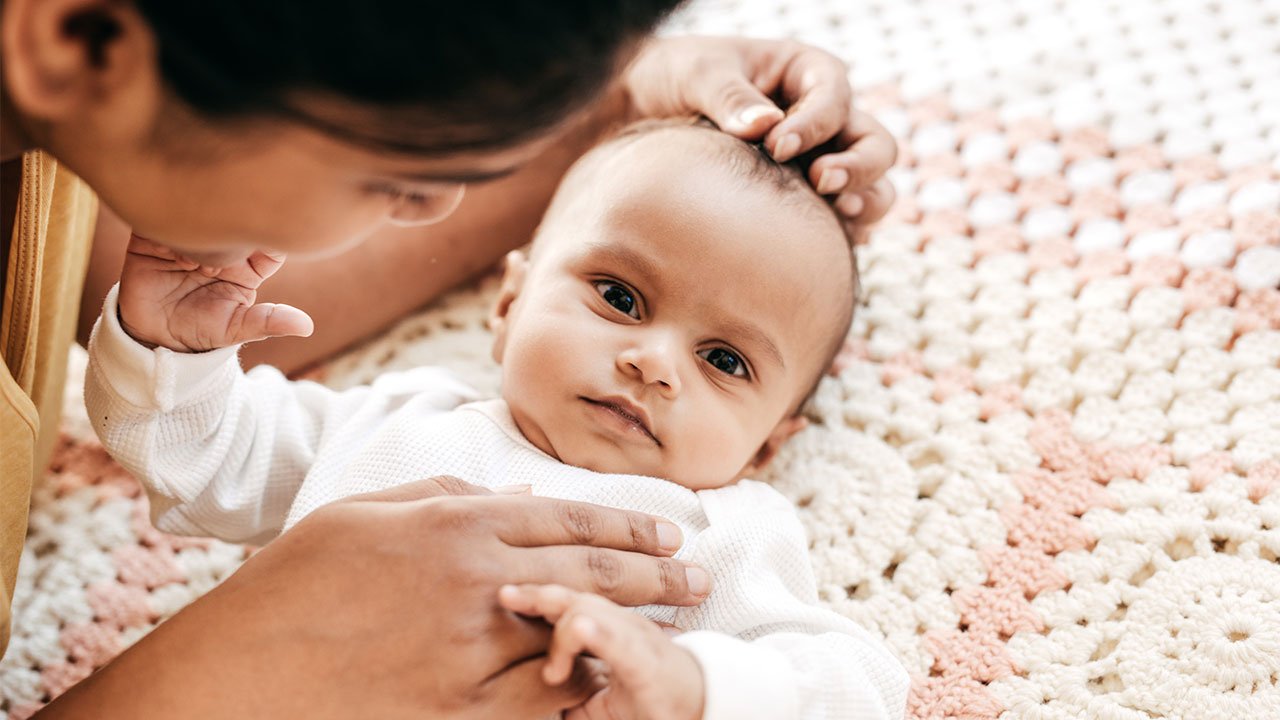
(243, 456)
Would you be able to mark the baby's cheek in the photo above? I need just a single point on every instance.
(714, 454)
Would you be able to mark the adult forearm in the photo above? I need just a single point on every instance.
(198, 664)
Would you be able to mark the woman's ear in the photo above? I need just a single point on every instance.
(60, 56)
(769, 450)
(516, 267)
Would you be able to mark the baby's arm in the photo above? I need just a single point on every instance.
(766, 648)
(220, 453)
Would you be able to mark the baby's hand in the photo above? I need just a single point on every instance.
(650, 677)
(170, 301)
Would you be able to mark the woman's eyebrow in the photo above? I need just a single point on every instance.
(462, 176)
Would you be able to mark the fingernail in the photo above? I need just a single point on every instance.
(748, 117)
(786, 147)
(699, 581)
(514, 490)
(832, 180)
(851, 205)
(669, 536)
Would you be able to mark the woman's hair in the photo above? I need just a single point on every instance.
(404, 75)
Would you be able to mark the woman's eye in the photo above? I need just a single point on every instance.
(619, 297)
(725, 361)
(400, 195)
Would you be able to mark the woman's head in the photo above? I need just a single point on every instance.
(301, 124)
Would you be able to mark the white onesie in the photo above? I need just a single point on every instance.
(243, 457)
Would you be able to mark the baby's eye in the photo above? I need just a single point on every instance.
(619, 297)
(725, 361)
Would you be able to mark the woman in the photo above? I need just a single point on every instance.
(220, 128)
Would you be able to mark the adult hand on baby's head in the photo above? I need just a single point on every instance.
(731, 81)
(169, 301)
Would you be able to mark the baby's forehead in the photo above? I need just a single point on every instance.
(687, 144)
(711, 232)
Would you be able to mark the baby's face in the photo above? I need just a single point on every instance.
(672, 315)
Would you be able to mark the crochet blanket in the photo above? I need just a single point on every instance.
(1049, 474)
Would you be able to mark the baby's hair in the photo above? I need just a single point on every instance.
(755, 163)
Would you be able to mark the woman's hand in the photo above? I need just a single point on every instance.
(386, 605)
(735, 81)
(169, 301)
(649, 676)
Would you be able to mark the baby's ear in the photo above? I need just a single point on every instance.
(515, 268)
(772, 444)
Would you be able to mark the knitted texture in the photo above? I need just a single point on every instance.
(1049, 474)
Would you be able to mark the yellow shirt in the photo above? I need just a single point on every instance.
(48, 258)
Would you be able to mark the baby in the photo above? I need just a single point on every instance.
(682, 297)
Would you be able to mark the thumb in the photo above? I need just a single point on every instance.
(738, 107)
(268, 320)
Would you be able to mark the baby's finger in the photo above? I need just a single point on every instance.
(265, 264)
(267, 320)
(142, 247)
(817, 84)
(575, 630)
(869, 151)
(549, 602)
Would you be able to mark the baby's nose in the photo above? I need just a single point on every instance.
(653, 365)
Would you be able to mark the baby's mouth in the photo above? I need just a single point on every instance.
(628, 413)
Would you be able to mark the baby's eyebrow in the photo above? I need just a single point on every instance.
(621, 254)
(754, 336)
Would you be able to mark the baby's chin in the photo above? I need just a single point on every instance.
(597, 457)
(614, 461)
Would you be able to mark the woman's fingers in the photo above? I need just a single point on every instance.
(420, 490)
(627, 578)
(867, 205)
(539, 521)
(737, 106)
(816, 85)
(868, 151)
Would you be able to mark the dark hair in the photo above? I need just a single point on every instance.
(414, 75)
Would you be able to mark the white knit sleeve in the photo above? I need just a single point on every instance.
(767, 649)
(220, 452)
